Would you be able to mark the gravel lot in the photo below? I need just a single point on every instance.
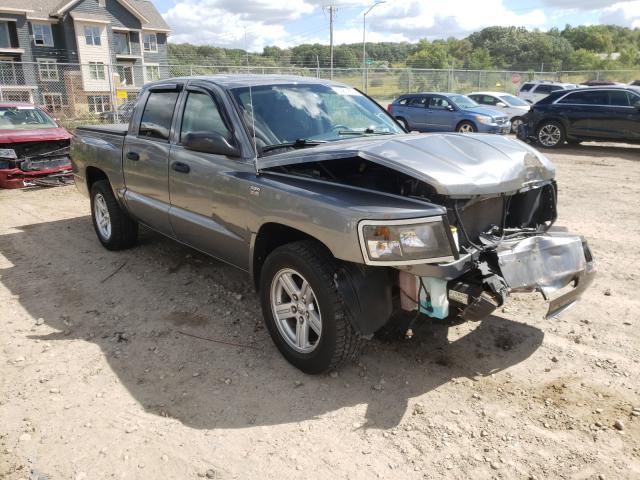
(99, 379)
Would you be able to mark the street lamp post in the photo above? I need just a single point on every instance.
(365, 80)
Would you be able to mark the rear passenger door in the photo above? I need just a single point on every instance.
(616, 118)
(146, 157)
(415, 111)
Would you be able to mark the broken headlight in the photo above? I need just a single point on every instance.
(397, 242)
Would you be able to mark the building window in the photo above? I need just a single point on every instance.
(5, 38)
(92, 36)
(150, 42)
(126, 75)
(42, 35)
(96, 71)
(98, 103)
(121, 43)
(48, 69)
(52, 102)
(152, 72)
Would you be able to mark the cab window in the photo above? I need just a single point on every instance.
(157, 115)
(201, 114)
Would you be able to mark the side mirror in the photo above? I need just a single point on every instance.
(501, 104)
(210, 142)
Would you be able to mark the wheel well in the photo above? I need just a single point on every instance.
(271, 236)
(93, 175)
(551, 119)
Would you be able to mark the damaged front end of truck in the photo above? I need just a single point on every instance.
(496, 233)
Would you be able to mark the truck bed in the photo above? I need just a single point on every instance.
(111, 128)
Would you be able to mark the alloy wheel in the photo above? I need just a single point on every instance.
(101, 215)
(549, 135)
(295, 310)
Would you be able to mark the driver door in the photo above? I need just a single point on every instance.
(208, 205)
(440, 117)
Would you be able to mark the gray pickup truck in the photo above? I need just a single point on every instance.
(341, 218)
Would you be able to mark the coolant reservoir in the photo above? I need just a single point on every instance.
(435, 303)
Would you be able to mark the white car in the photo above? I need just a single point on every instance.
(515, 108)
(535, 90)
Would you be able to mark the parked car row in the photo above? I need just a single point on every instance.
(595, 114)
(449, 112)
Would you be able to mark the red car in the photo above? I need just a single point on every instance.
(34, 149)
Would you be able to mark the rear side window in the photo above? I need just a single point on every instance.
(157, 115)
(201, 114)
(402, 101)
(526, 87)
(543, 89)
(486, 99)
(619, 99)
(586, 98)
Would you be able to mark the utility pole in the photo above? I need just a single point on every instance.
(365, 80)
(332, 13)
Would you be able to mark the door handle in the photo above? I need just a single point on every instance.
(133, 156)
(180, 167)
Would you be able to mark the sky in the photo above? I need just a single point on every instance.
(254, 24)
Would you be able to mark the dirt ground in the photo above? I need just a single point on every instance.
(100, 378)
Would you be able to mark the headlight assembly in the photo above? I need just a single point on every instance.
(484, 119)
(402, 242)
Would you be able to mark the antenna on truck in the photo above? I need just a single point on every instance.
(253, 117)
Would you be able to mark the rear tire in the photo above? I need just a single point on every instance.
(115, 229)
(311, 327)
(550, 134)
(466, 127)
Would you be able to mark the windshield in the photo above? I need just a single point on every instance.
(514, 101)
(462, 101)
(312, 112)
(25, 118)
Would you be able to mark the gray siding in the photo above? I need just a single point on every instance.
(161, 55)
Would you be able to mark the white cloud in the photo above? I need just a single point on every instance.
(278, 22)
(443, 18)
(223, 22)
(625, 14)
(583, 5)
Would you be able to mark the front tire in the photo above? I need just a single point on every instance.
(303, 309)
(404, 123)
(550, 134)
(115, 229)
(466, 127)
(515, 124)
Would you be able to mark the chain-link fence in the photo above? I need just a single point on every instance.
(97, 92)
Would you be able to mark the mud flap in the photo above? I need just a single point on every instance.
(366, 293)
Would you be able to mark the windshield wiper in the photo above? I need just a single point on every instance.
(366, 131)
(299, 143)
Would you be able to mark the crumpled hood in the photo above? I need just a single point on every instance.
(33, 135)
(459, 165)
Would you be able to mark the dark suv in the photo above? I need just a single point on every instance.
(596, 114)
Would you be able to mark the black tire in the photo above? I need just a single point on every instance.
(338, 342)
(515, 123)
(466, 127)
(404, 123)
(124, 230)
(550, 134)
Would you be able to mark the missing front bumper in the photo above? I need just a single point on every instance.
(548, 263)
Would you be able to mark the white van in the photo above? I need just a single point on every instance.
(536, 90)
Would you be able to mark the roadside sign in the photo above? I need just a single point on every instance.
(369, 61)
(121, 94)
(515, 78)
